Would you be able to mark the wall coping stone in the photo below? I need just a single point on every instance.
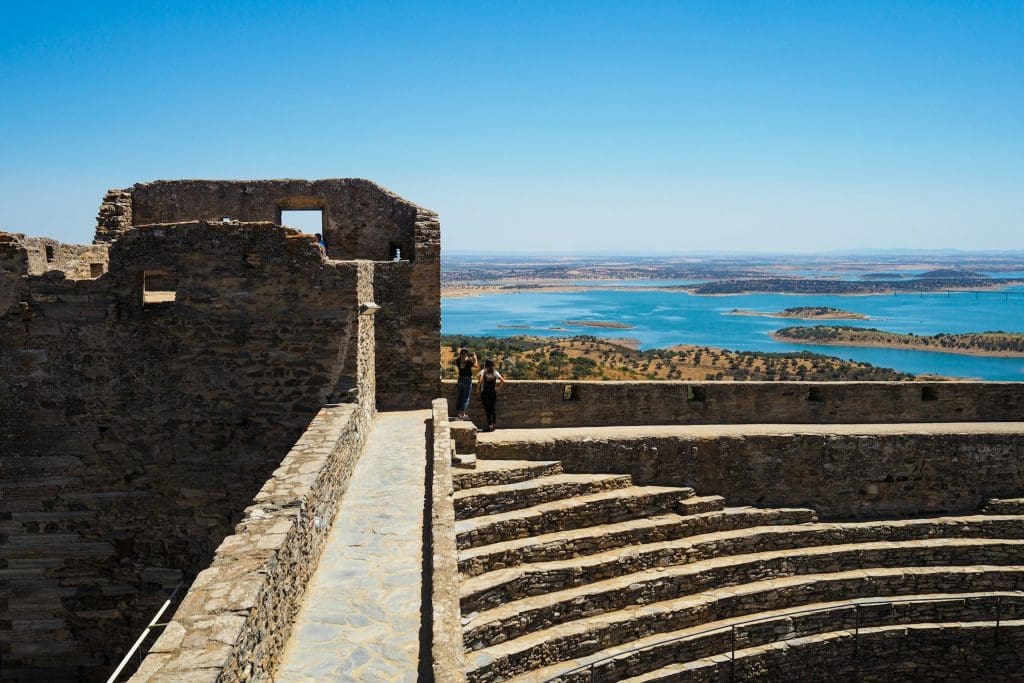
(447, 650)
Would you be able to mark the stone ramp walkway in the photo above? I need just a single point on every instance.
(361, 616)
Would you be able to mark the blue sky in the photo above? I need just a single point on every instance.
(630, 126)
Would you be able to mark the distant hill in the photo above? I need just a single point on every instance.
(950, 274)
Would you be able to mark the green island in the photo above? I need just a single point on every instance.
(805, 313)
(996, 343)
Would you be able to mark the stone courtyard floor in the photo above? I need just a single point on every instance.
(361, 616)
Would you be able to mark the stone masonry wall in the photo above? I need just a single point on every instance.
(132, 433)
(236, 619)
(841, 476)
(595, 404)
(361, 220)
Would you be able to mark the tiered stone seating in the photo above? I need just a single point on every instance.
(558, 573)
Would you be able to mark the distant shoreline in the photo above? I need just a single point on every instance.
(457, 291)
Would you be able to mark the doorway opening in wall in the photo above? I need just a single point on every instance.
(49, 254)
(159, 288)
(95, 270)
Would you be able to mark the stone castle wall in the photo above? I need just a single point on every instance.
(361, 220)
(134, 432)
(525, 404)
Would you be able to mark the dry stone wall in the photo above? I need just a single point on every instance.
(840, 475)
(133, 433)
(524, 404)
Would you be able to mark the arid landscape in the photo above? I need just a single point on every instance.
(593, 358)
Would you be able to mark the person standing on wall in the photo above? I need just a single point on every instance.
(487, 385)
(465, 363)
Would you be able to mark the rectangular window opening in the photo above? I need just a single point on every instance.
(49, 254)
(698, 394)
(159, 288)
(815, 395)
(95, 270)
(307, 220)
(394, 252)
(570, 393)
(929, 394)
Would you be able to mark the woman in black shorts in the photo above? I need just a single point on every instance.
(487, 385)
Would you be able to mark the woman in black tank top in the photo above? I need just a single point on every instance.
(487, 384)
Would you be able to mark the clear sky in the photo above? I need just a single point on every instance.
(539, 125)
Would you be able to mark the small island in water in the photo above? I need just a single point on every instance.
(1009, 344)
(805, 313)
(598, 323)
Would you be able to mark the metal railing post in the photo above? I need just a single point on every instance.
(856, 630)
(999, 614)
(732, 662)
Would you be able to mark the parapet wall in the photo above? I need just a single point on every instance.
(236, 619)
(526, 404)
(855, 472)
(134, 429)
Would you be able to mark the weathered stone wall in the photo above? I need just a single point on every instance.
(132, 434)
(75, 261)
(361, 220)
(236, 619)
(840, 475)
(447, 651)
(595, 404)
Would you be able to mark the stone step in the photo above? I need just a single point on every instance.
(494, 472)
(822, 649)
(595, 632)
(564, 545)
(493, 500)
(722, 636)
(495, 588)
(519, 617)
(601, 508)
(1004, 506)
(464, 461)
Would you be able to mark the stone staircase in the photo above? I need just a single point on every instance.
(562, 571)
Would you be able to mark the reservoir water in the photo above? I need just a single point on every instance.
(662, 319)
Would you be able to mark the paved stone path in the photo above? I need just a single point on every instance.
(361, 617)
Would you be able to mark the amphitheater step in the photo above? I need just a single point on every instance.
(750, 664)
(563, 545)
(1004, 506)
(558, 644)
(493, 500)
(495, 472)
(464, 461)
(617, 505)
(722, 636)
(498, 587)
(517, 618)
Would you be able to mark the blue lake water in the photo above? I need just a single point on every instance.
(662, 319)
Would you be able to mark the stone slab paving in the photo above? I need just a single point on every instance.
(360, 620)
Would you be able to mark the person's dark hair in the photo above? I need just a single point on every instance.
(489, 364)
(319, 236)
